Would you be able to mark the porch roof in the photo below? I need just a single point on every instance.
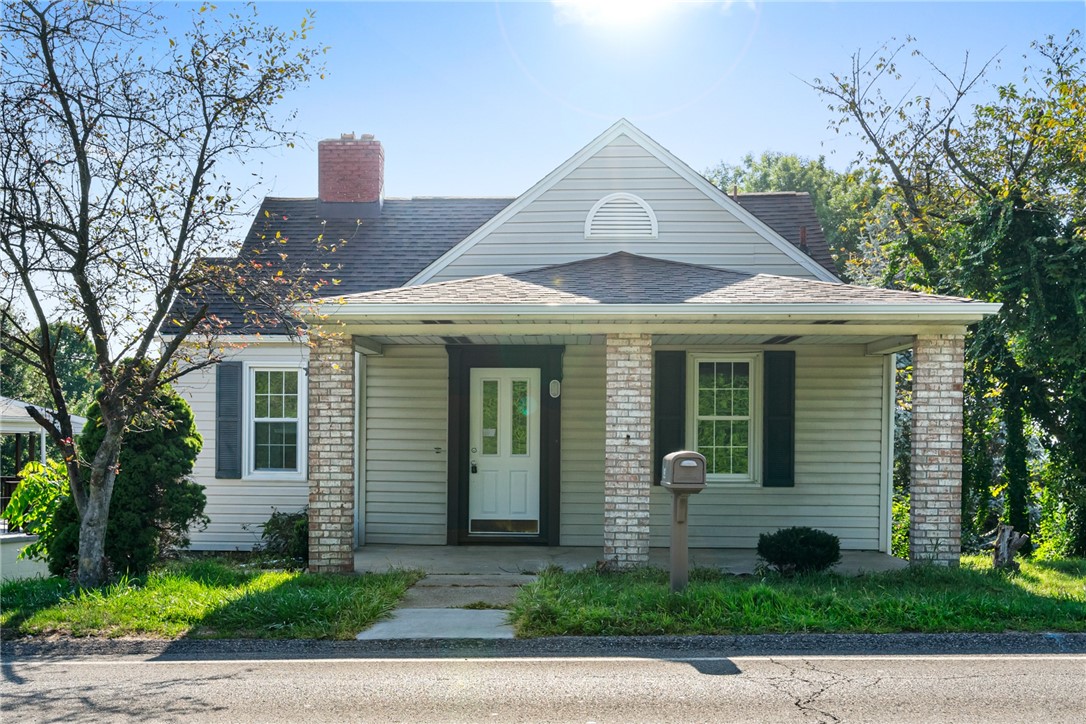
(628, 286)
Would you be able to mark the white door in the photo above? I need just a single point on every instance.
(503, 489)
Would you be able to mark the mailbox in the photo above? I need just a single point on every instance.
(684, 471)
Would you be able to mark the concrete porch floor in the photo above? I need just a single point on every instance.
(491, 560)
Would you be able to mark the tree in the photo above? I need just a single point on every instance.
(75, 369)
(155, 503)
(988, 201)
(112, 211)
(843, 201)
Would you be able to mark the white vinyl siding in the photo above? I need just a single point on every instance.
(583, 401)
(691, 227)
(840, 398)
(406, 438)
(239, 508)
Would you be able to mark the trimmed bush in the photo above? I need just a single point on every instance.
(799, 550)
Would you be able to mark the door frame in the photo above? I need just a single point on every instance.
(548, 359)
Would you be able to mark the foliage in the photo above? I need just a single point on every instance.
(205, 599)
(41, 491)
(899, 532)
(114, 217)
(154, 503)
(75, 371)
(841, 200)
(986, 200)
(286, 535)
(1045, 596)
(799, 549)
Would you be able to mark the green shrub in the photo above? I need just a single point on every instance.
(154, 504)
(799, 550)
(899, 534)
(286, 535)
(34, 504)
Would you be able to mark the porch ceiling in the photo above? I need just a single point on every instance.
(659, 340)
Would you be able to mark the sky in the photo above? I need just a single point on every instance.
(486, 98)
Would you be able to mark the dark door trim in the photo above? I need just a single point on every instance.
(462, 358)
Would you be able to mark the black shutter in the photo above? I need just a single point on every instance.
(669, 406)
(780, 420)
(228, 420)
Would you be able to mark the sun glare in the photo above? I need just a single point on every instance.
(611, 13)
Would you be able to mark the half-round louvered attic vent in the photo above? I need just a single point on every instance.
(620, 216)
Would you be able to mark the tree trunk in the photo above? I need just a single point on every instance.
(94, 518)
(1005, 545)
(1015, 458)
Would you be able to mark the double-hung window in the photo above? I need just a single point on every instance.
(724, 411)
(276, 435)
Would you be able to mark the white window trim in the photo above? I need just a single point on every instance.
(249, 431)
(753, 478)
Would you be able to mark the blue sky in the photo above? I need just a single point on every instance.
(486, 98)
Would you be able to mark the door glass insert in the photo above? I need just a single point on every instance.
(490, 417)
(520, 417)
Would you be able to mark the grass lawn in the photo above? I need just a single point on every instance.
(205, 599)
(1044, 596)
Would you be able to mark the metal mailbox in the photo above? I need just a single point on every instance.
(684, 471)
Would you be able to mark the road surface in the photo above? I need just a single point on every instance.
(913, 688)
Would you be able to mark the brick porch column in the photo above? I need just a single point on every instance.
(331, 455)
(628, 454)
(935, 527)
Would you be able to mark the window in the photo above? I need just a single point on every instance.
(276, 438)
(724, 411)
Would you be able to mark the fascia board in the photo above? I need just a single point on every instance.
(972, 311)
(542, 186)
(733, 207)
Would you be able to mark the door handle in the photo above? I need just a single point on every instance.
(474, 467)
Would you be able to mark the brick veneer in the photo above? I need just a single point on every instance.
(936, 524)
(331, 455)
(350, 169)
(628, 455)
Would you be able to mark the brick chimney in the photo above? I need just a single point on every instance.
(351, 173)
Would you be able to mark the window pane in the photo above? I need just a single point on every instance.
(724, 402)
(490, 417)
(740, 460)
(520, 417)
(276, 446)
(705, 402)
(710, 466)
(723, 433)
(723, 375)
(261, 383)
(741, 402)
(290, 383)
(261, 408)
(275, 385)
(290, 405)
(705, 433)
(741, 375)
(705, 375)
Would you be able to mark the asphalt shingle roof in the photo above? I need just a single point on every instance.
(787, 212)
(385, 252)
(624, 278)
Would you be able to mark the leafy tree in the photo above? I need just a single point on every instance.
(111, 209)
(154, 503)
(843, 201)
(25, 381)
(988, 201)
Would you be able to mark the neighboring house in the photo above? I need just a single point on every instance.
(512, 370)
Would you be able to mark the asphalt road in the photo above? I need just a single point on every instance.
(672, 686)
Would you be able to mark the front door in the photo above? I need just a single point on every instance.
(503, 454)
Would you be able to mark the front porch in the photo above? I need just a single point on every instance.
(508, 560)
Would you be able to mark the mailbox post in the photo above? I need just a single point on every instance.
(683, 475)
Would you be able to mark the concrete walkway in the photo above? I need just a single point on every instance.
(486, 578)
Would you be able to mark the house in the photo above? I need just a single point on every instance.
(512, 370)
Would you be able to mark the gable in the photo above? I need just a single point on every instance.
(694, 222)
